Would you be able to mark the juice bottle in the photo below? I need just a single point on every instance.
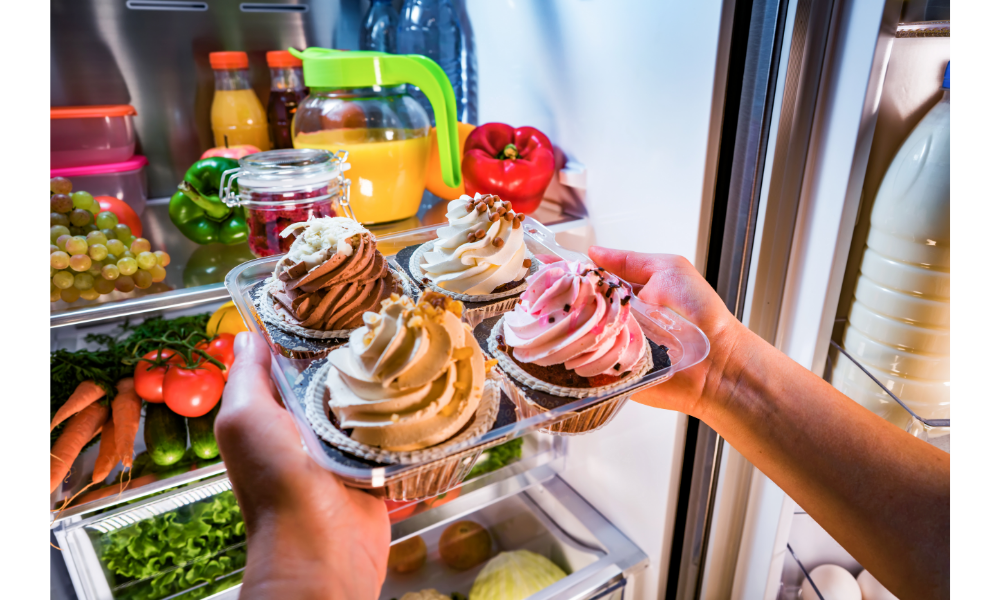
(386, 181)
(287, 91)
(237, 115)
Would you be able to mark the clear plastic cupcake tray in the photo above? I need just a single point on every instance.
(676, 345)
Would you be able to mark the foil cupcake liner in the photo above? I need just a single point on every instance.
(265, 307)
(434, 478)
(418, 273)
(486, 413)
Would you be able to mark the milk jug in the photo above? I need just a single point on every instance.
(899, 322)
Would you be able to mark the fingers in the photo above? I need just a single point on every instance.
(250, 418)
(634, 267)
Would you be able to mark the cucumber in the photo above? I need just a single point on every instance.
(202, 431)
(165, 434)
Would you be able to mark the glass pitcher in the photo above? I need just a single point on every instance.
(358, 103)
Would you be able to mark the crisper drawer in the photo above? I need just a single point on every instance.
(548, 519)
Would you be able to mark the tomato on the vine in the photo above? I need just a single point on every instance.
(192, 391)
(149, 377)
(221, 349)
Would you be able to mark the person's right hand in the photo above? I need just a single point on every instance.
(670, 280)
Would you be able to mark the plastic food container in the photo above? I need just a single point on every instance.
(681, 341)
(280, 187)
(91, 135)
(124, 180)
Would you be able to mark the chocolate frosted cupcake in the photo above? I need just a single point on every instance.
(572, 334)
(333, 273)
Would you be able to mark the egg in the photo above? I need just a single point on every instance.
(835, 583)
(871, 589)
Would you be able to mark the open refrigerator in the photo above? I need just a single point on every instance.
(741, 135)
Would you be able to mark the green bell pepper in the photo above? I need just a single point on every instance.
(197, 211)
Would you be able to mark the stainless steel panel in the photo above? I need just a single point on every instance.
(154, 56)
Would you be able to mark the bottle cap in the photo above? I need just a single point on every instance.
(947, 77)
(282, 58)
(228, 60)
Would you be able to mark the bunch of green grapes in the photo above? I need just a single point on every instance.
(91, 253)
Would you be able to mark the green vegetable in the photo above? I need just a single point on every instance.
(196, 209)
(202, 433)
(515, 576)
(497, 458)
(105, 367)
(165, 434)
(202, 542)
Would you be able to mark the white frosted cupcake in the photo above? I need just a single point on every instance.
(480, 255)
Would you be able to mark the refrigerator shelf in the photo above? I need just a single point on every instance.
(935, 431)
(686, 345)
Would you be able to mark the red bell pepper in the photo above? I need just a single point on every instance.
(515, 164)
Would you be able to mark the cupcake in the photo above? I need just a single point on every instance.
(332, 274)
(411, 381)
(572, 334)
(479, 257)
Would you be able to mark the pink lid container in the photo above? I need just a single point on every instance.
(90, 135)
(124, 180)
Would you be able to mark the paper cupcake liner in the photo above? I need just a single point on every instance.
(265, 306)
(584, 421)
(485, 415)
(417, 257)
(514, 371)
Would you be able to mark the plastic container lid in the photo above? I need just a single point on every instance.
(282, 58)
(228, 60)
(92, 112)
(136, 162)
(947, 77)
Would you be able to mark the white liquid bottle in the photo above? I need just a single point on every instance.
(899, 323)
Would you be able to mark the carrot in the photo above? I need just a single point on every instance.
(125, 409)
(107, 457)
(79, 430)
(85, 394)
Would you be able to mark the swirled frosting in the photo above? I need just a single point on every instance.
(576, 316)
(481, 249)
(331, 275)
(411, 378)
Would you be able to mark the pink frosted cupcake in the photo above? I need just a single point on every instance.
(572, 334)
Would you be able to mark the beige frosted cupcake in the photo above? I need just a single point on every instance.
(411, 385)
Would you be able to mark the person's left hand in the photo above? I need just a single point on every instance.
(309, 536)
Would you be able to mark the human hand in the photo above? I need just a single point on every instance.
(309, 535)
(670, 280)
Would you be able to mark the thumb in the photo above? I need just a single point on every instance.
(633, 267)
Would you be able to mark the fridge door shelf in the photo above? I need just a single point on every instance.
(926, 428)
(540, 513)
(684, 342)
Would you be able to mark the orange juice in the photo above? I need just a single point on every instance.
(239, 118)
(387, 175)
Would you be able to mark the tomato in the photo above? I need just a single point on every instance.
(443, 498)
(192, 391)
(123, 211)
(400, 510)
(221, 349)
(236, 152)
(149, 379)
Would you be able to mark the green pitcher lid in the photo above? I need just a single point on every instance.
(325, 68)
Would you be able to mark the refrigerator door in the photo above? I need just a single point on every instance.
(832, 66)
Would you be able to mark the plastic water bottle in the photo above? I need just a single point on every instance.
(433, 28)
(378, 28)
